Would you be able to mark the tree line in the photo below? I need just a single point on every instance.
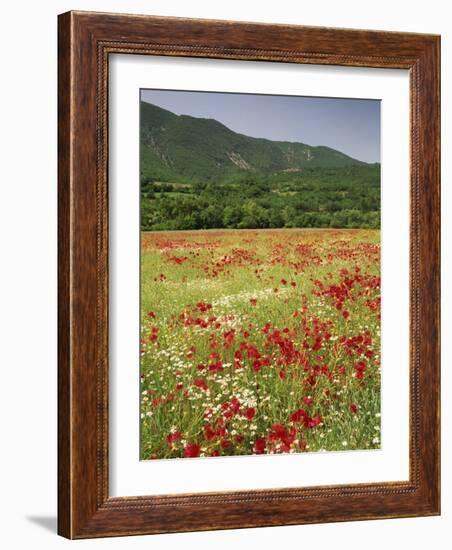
(341, 197)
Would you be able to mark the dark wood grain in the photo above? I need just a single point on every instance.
(85, 42)
(64, 295)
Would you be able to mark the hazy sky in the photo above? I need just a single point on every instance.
(348, 125)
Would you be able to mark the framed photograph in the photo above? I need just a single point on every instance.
(248, 275)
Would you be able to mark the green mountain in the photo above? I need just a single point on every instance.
(198, 174)
(187, 149)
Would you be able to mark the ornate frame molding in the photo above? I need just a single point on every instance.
(85, 42)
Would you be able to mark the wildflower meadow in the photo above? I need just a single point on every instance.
(259, 342)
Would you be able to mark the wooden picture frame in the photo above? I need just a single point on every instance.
(86, 40)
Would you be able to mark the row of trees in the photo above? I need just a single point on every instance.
(171, 214)
(345, 197)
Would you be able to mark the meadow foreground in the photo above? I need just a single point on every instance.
(259, 341)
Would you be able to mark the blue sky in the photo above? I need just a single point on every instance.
(348, 125)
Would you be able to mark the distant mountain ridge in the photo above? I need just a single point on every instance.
(189, 149)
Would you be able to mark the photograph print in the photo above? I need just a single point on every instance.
(260, 274)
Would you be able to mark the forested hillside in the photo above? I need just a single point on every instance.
(198, 174)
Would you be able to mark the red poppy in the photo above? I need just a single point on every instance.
(154, 334)
(256, 365)
(192, 450)
(278, 429)
(216, 367)
(200, 383)
(172, 437)
(259, 445)
(229, 337)
(209, 433)
(298, 415)
(360, 368)
(312, 422)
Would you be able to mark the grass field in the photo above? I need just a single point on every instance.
(259, 341)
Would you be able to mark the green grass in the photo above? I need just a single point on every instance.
(212, 278)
